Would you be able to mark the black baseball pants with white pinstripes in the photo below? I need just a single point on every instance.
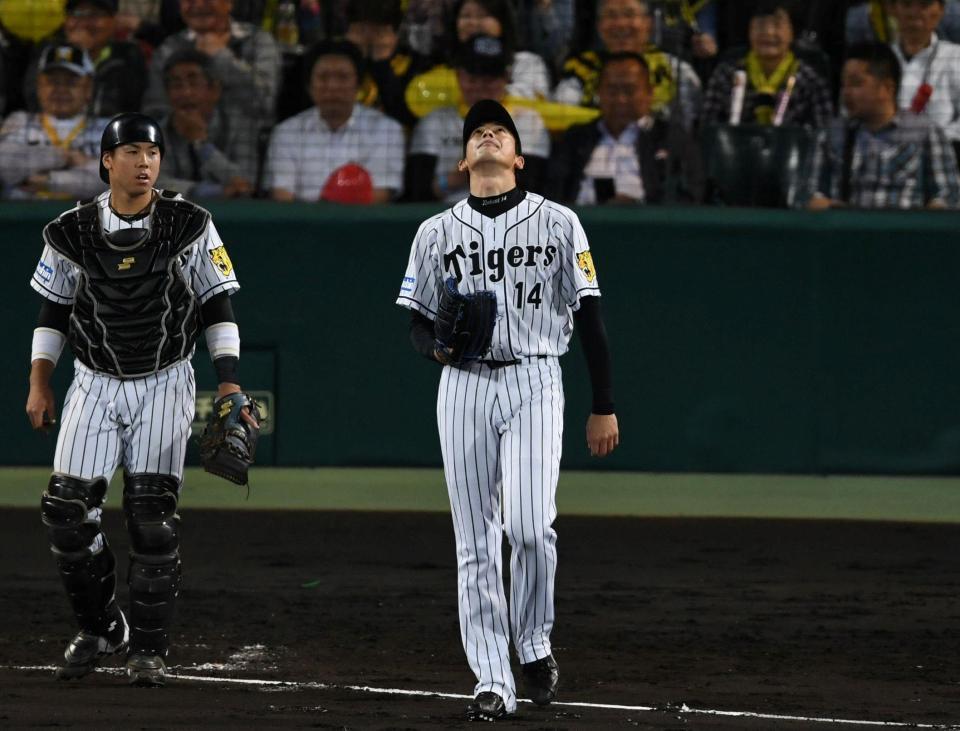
(501, 436)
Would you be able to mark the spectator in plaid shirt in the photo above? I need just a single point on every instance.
(772, 71)
(880, 157)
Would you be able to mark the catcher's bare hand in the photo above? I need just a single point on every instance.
(40, 407)
(225, 389)
(603, 434)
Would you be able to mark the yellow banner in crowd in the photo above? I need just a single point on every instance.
(438, 88)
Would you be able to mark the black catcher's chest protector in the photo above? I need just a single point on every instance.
(135, 311)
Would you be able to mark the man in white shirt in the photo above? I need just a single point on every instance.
(54, 153)
(930, 83)
(436, 148)
(307, 148)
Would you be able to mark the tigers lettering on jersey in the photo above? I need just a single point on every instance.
(526, 255)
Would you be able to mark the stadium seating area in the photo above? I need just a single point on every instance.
(771, 103)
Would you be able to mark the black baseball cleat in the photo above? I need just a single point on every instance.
(87, 649)
(146, 671)
(487, 706)
(541, 679)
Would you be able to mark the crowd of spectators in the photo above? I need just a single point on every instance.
(616, 101)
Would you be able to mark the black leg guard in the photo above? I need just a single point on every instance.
(84, 559)
(150, 503)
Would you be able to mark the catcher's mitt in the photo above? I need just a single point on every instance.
(464, 324)
(228, 443)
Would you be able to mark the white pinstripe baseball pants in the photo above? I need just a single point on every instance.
(501, 436)
(141, 423)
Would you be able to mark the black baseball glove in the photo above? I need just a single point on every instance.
(464, 324)
(228, 442)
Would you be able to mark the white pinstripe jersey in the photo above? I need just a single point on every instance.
(206, 264)
(534, 256)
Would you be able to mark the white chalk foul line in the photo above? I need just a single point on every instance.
(679, 709)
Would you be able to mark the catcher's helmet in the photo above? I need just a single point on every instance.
(128, 127)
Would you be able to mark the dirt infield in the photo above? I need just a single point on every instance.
(827, 620)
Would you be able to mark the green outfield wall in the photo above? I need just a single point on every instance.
(756, 341)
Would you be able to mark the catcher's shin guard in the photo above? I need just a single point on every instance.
(150, 504)
(84, 559)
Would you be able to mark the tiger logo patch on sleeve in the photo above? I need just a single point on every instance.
(222, 260)
(585, 262)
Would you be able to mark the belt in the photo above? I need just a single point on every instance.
(494, 364)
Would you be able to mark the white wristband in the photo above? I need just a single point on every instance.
(47, 344)
(223, 338)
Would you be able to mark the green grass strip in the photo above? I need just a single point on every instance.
(579, 493)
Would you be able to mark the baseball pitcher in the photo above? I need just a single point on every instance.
(495, 285)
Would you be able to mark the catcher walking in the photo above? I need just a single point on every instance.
(494, 285)
(129, 279)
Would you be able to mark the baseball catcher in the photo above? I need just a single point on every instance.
(464, 325)
(229, 440)
(130, 280)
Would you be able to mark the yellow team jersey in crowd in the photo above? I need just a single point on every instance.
(586, 67)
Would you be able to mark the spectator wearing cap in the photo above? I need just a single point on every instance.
(54, 153)
(374, 29)
(206, 155)
(307, 148)
(628, 155)
(879, 157)
(120, 71)
(435, 152)
(529, 77)
(779, 89)
(930, 84)
(529, 74)
(626, 26)
(244, 58)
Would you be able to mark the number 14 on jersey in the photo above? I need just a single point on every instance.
(533, 297)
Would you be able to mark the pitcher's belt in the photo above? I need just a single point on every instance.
(494, 364)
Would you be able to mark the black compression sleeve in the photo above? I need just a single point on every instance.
(54, 316)
(421, 335)
(593, 337)
(226, 367)
(217, 309)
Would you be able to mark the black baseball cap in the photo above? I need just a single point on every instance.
(111, 6)
(488, 110)
(482, 55)
(63, 56)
